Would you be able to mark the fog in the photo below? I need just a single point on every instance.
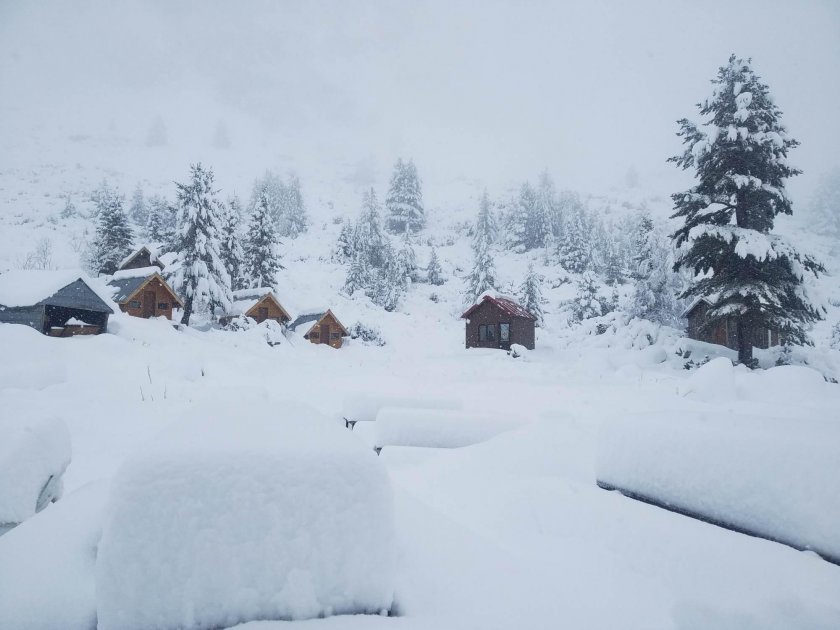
(486, 92)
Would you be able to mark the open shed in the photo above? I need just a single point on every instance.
(56, 303)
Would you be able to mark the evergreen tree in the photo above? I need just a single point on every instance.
(69, 209)
(486, 223)
(586, 303)
(388, 282)
(368, 240)
(739, 155)
(434, 274)
(404, 202)
(356, 276)
(483, 275)
(613, 270)
(160, 224)
(655, 285)
(825, 205)
(294, 219)
(113, 241)
(520, 219)
(531, 294)
(272, 188)
(573, 251)
(200, 277)
(233, 256)
(261, 260)
(406, 258)
(139, 211)
(344, 245)
(546, 208)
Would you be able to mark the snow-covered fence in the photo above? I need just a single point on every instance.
(33, 457)
(245, 512)
(365, 407)
(437, 428)
(771, 478)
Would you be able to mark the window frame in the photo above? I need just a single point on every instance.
(491, 333)
(482, 332)
(504, 332)
(163, 306)
(135, 304)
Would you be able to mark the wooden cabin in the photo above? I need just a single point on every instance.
(498, 322)
(259, 304)
(140, 259)
(55, 303)
(320, 327)
(142, 292)
(723, 332)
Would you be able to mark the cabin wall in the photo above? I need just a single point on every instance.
(336, 339)
(135, 305)
(32, 316)
(274, 312)
(725, 332)
(488, 314)
(523, 332)
(140, 261)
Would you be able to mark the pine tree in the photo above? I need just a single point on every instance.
(261, 260)
(200, 277)
(531, 294)
(139, 211)
(520, 219)
(406, 258)
(160, 224)
(739, 154)
(368, 240)
(486, 223)
(404, 202)
(434, 274)
(113, 240)
(69, 209)
(294, 219)
(573, 251)
(356, 277)
(344, 245)
(483, 275)
(273, 189)
(540, 230)
(586, 303)
(230, 249)
(613, 269)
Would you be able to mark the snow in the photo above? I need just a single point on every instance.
(34, 453)
(75, 322)
(776, 477)
(361, 407)
(25, 288)
(140, 272)
(243, 512)
(437, 428)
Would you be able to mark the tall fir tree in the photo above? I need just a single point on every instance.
(160, 223)
(587, 303)
(407, 259)
(293, 220)
(368, 240)
(233, 255)
(113, 241)
(520, 219)
(483, 275)
(139, 210)
(530, 294)
(200, 276)
(261, 259)
(356, 276)
(273, 189)
(434, 273)
(573, 251)
(404, 202)
(739, 155)
(486, 222)
(344, 244)
(540, 228)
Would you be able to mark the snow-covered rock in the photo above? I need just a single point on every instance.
(243, 512)
(779, 478)
(34, 453)
(437, 428)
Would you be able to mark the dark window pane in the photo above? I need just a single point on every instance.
(482, 333)
(491, 333)
(504, 332)
(163, 305)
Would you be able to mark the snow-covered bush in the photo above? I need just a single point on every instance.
(367, 334)
(246, 511)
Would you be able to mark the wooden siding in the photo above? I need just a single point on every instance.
(140, 260)
(724, 332)
(274, 310)
(488, 315)
(336, 331)
(135, 304)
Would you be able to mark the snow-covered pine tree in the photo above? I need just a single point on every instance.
(272, 188)
(485, 225)
(655, 286)
(344, 244)
(586, 303)
(261, 259)
(201, 277)
(160, 221)
(521, 220)
(406, 258)
(139, 211)
(230, 248)
(530, 294)
(483, 275)
(404, 202)
(825, 205)
(573, 250)
(613, 269)
(293, 220)
(69, 209)
(644, 246)
(356, 277)
(387, 283)
(540, 226)
(739, 155)
(368, 240)
(113, 240)
(434, 274)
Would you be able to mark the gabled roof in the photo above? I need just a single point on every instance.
(506, 305)
(245, 300)
(315, 318)
(707, 299)
(66, 288)
(150, 251)
(129, 284)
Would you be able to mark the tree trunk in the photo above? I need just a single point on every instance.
(745, 338)
(188, 306)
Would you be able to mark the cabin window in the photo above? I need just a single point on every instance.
(263, 312)
(163, 306)
(491, 333)
(134, 304)
(482, 333)
(335, 335)
(504, 332)
(314, 335)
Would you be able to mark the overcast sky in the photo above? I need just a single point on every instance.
(491, 91)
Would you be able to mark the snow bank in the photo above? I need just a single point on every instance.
(437, 428)
(33, 457)
(777, 478)
(243, 513)
(36, 363)
(47, 564)
(365, 407)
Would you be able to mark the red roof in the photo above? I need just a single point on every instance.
(503, 304)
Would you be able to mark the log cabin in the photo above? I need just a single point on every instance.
(142, 292)
(142, 258)
(498, 322)
(320, 327)
(55, 303)
(724, 331)
(259, 304)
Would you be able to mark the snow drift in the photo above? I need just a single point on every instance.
(365, 407)
(246, 512)
(437, 428)
(778, 479)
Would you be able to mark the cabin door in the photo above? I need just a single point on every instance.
(325, 333)
(148, 303)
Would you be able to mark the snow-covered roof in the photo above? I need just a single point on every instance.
(125, 286)
(28, 288)
(256, 292)
(140, 272)
(153, 257)
(307, 318)
(708, 299)
(167, 259)
(505, 304)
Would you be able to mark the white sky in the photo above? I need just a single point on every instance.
(486, 91)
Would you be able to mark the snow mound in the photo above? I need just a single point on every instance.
(36, 363)
(777, 478)
(714, 380)
(246, 512)
(33, 457)
(434, 428)
(365, 407)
